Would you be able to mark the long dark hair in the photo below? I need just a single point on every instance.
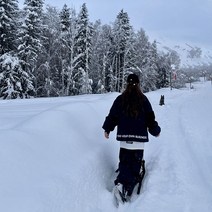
(132, 100)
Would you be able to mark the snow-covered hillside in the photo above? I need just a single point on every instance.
(54, 158)
(191, 55)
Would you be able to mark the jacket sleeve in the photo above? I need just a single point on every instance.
(153, 127)
(111, 121)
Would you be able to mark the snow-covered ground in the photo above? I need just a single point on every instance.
(54, 158)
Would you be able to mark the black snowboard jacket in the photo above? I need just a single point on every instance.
(128, 128)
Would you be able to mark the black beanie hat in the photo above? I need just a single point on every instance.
(132, 79)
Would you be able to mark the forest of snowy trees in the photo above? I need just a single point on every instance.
(46, 53)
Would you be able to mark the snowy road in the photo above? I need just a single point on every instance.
(54, 158)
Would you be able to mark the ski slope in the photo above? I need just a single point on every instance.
(54, 157)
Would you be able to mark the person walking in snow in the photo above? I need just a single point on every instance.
(134, 117)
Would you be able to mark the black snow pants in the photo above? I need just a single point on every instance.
(129, 168)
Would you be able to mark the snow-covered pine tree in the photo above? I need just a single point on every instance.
(101, 44)
(96, 58)
(65, 19)
(14, 82)
(48, 76)
(65, 47)
(141, 48)
(8, 25)
(149, 70)
(29, 38)
(153, 68)
(108, 49)
(9, 76)
(68, 33)
(130, 57)
(121, 34)
(146, 60)
(82, 52)
(163, 71)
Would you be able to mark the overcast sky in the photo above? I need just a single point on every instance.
(175, 20)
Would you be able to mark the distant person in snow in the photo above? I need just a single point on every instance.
(134, 117)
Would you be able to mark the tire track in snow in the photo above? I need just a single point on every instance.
(195, 179)
(195, 142)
